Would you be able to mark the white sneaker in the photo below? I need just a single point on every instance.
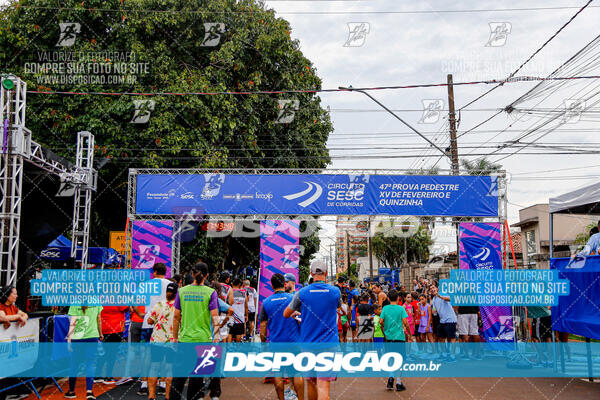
(123, 380)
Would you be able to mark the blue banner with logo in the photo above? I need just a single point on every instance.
(324, 194)
(480, 250)
(578, 313)
(296, 359)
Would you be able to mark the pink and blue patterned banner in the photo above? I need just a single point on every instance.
(480, 248)
(151, 243)
(279, 252)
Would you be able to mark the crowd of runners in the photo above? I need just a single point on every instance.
(200, 307)
(190, 309)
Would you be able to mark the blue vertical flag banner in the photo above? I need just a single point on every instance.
(480, 248)
(152, 242)
(316, 194)
(279, 252)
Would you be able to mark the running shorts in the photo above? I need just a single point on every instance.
(237, 329)
(466, 324)
(447, 330)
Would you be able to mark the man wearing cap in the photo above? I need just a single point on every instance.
(196, 321)
(318, 304)
(290, 283)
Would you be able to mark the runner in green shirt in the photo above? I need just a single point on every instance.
(86, 322)
(196, 321)
(85, 327)
(394, 322)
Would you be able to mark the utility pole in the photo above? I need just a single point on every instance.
(453, 148)
(452, 120)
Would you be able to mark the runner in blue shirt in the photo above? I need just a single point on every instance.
(318, 304)
(447, 326)
(280, 329)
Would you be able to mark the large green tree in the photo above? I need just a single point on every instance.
(390, 248)
(172, 48)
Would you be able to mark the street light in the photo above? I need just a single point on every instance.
(351, 89)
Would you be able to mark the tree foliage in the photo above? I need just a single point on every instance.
(481, 166)
(255, 52)
(389, 249)
(582, 237)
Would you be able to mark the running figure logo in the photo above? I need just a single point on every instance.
(498, 34)
(357, 34)
(207, 359)
(506, 331)
(212, 185)
(68, 33)
(212, 34)
(573, 110)
(66, 189)
(432, 109)
(287, 111)
(142, 111)
(148, 255)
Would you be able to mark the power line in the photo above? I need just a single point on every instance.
(557, 170)
(368, 110)
(340, 12)
(361, 135)
(420, 110)
(522, 65)
(569, 66)
(345, 157)
(549, 130)
(297, 91)
(481, 123)
(511, 76)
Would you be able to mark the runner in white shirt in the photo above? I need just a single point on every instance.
(239, 301)
(223, 290)
(252, 298)
(159, 272)
(224, 279)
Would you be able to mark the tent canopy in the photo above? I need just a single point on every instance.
(60, 250)
(585, 200)
(577, 313)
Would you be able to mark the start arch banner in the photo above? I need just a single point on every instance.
(316, 194)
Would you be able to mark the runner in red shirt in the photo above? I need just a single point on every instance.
(113, 326)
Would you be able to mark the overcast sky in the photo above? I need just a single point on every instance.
(409, 48)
